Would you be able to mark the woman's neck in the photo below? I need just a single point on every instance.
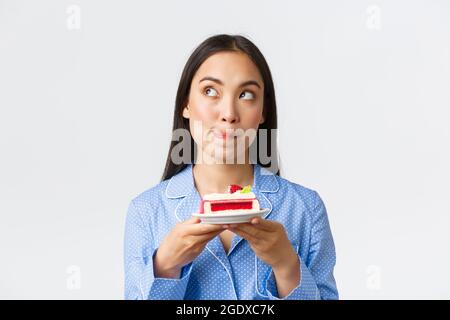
(215, 178)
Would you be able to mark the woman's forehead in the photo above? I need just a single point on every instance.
(229, 67)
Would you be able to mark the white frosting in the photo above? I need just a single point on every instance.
(229, 196)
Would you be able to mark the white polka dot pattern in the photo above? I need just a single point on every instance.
(240, 274)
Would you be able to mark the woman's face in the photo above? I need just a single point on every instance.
(225, 105)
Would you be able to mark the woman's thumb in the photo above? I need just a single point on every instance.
(192, 220)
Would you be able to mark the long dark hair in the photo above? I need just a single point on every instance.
(212, 45)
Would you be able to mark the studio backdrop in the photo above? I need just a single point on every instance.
(87, 91)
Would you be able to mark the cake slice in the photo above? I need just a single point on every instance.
(237, 199)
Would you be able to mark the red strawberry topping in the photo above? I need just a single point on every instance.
(232, 188)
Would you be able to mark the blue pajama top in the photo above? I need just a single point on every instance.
(240, 274)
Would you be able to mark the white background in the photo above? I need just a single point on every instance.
(86, 112)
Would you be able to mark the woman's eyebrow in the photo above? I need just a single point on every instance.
(212, 79)
(246, 83)
(249, 83)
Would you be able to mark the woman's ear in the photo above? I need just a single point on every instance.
(186, 113)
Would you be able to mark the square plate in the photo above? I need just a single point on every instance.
(227, 218)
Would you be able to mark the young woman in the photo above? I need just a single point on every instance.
(226, 87)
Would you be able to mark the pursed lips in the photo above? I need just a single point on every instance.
(221, 134)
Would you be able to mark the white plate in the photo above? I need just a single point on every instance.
(227, 218)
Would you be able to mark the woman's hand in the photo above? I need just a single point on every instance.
(182, 245)
(269, 241)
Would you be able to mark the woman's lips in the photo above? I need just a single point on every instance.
(223, 134)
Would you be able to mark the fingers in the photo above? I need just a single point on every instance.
(247, 236)
(259, 223)
(192, 220)
(208, 236)
(263, 224)
(202, 228)
(251, 230)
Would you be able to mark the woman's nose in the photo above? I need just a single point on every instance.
(229, 112)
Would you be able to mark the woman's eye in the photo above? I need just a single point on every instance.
(247, 95)
(211, 92)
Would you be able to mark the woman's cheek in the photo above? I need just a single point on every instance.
(201, 121)
(202, 114)
(203, 109)
(253, 118)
